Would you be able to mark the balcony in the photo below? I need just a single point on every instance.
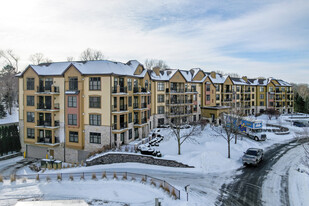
(48, 140)
(139, 90)
(177, 90)
(122, 125)
(179, 101)
(117, 90)
(122, 107)
(143, 105)
(177, 114)
(49, 90)
(228, 91)
(135, 105)
(192, 90)
(144, 120)
(48, 106)
(228, 100)
(48, 123)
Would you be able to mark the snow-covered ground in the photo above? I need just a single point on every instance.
(208, 155)
(10, 118)
(111, 192)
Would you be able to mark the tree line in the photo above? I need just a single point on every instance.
(9, 139)
(301, 98)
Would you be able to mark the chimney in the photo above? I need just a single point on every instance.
(245, 78)
(213, 74)
(157, 70)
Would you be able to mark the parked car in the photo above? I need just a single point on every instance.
(253, 156)
(299, 124)
(164, 126)
(147, 151)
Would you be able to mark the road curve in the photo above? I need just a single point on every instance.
(246, 187)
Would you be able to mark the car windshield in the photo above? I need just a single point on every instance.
(251, 152)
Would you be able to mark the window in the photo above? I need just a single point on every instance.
(193, 87)
(160, 121)
(208, 87)
(73, 83)
(130, 134)
(30, 83)
(146, 84)
(95, 138)
(207, 97)
(194, 97)
(130, 117)
(136, 133)
(261, 96)
(72, 119)
(129, 84)
(72, 101)
(73, 136)
(252, 96)
(30, 116)
(252, 104)
(218, 88)
(160, 98)
(149, 99)
(48, 83)
(130, 101)
(252, 89)
(271, 104)
(282, 89)
(30, 133)
(94, 102)
(237, 96)
(217, 96)
(160, 86)
(238, 88)
(271, 89)
(261, 89)
(95, 119)
(160, 109)
(261, 103)
(95, 83)
(30, 100)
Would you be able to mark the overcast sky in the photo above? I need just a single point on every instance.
(261, 38)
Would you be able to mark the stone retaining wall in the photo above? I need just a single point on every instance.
(123, 158)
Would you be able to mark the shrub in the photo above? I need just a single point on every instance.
(115, 176)
(143, 179)
(63, 167)
(161, 186)
(133, 179)
(59, 177)
(71, 177)
(49, 166)
(47, 178)
(167, 189)
(13, 178)
(37, 178)
(82, 177)
(153, 183)
(98, 151)
(124, 177)
(104, 175)
(82, 163)
(1, 178)
(94, 176)
(174, 194)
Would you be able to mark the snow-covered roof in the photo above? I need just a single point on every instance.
(258, 82)
(218, 80)
(164, 75)
(89, 67)
(239, 81)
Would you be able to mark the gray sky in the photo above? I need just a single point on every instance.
(260, 38)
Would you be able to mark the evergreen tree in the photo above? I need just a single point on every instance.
(5, 140)
(306, 105)
(16, 140)
(2, 111)
(299, 103)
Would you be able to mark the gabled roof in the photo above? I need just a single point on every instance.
(258, 82)
(87, 67)
(220, 79)
(239, 81)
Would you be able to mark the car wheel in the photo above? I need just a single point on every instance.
(256, 138)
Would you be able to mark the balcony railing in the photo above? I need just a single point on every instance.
(48, 106)
(122, 125)
(48, 123)
(53, 89)
(143, 105)
(123, 107)
(119, 90)
(177, 90)
(47, 140)
(135, 105)
(139, 89)
(144, 120)
(179, 101)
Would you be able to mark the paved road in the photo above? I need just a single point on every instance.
(246, 187)
(10, 166)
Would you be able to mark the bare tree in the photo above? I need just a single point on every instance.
(233, 75)
(151, 63)
(70, 59)
(91, 54)
(271, 112)
(39, 58)
(180, 130)
(237, 112)
(10, 58)
(229, 129)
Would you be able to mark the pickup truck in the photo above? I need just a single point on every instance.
(253, 156)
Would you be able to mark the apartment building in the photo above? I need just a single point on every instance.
(69, 109)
